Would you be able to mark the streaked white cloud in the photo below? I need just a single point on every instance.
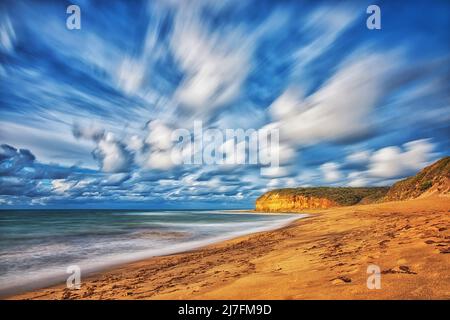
(328, 24)
(393, 162)
(330, 171)
(358, 179)
(215, 65)
(92, 131)
(130, 75)
(359, 157)
(276, 172)
(7, 34)
(390, 163)
(340, 110)
(61, 186)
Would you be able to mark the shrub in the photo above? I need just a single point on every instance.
(426, 185)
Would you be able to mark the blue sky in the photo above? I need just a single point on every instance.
(84, 114)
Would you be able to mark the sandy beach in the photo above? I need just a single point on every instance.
(324, 256)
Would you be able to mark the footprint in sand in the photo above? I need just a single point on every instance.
(341, 279)
(401, 269)
(383, 244)
(444, 250)
(406, 269)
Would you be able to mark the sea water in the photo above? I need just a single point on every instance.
(37, 246)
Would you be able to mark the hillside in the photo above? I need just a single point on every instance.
(434, 179)
(294, 199)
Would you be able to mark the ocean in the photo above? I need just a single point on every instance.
(37, 246)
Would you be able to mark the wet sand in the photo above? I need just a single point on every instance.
(324, 256)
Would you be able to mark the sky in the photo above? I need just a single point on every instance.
(86, 114)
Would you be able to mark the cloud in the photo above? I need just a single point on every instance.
(116, 154)
(7, 34)
(62, 186)
(276, 172)
(51, 141)
(159, 135)
(394, 162)
(112, 155)
(358, 179)
(11, 186)
(156, 150)
(215, 64)
(21, 163)
(342, 109)
(236, 64)
(327, 24)
(110, 152)
(359, 157)
(130, 75)
(13, 160)
(388, 164)
(90, 132)
(22, 176)
(115, 179)
(135, 143)
(281, 182)
(330, 171)
(286, 105)
(159, 160)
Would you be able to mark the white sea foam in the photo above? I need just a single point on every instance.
(95, 256)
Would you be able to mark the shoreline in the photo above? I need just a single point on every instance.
(322, 256)
(92, 271)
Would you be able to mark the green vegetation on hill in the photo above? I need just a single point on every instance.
(434, 178)
(344, 196)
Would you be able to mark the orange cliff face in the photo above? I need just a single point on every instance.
(277, 202)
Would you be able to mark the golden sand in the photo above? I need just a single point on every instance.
(324, 256)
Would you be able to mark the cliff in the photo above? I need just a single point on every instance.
(296, 199)
(434, 179)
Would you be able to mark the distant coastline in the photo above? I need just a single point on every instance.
(432, 180)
